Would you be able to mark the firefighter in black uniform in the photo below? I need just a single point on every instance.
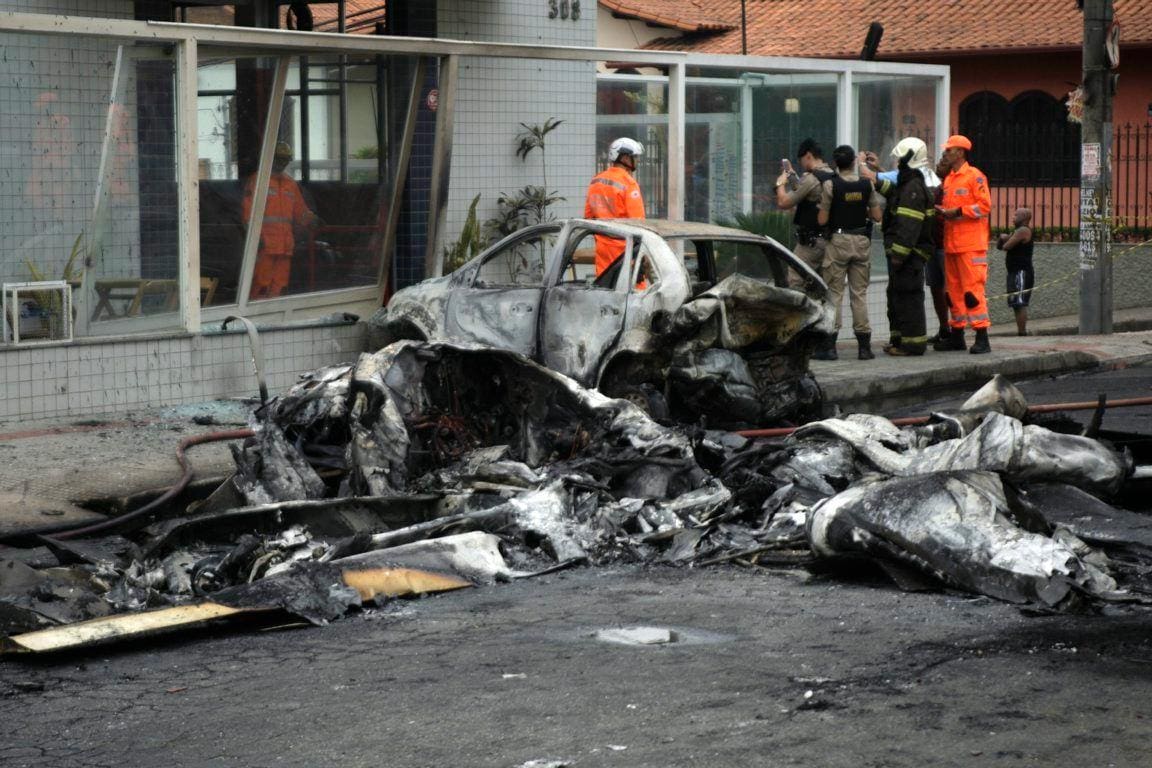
(908, 243)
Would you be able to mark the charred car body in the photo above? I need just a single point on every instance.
(693, 318)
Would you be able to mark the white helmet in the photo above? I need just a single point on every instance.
(918, 148)
(624, 146)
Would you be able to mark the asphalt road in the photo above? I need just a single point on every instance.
(1125, 383)
(771, 667)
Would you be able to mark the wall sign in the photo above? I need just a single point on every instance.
(564, 9)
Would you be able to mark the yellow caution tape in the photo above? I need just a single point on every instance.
(1067, 276)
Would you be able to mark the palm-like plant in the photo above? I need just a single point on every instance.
(50, 301)
(532, 137)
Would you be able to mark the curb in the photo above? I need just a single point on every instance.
(876, 389)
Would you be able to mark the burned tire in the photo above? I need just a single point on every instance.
(644, 396)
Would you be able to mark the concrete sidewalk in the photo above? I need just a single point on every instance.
(48, 467)
(890, 382)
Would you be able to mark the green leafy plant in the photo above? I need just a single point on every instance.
(532, 137)
(362, 175)
(470, 243)
(50, 301)
(517, 210)
(530, 204)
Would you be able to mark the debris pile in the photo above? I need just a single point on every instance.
(433, 466)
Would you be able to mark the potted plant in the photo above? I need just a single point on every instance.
(41, 315)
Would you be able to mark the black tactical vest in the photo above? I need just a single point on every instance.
(849, 203)
(806, 210)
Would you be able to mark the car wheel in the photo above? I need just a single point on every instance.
(644, 396)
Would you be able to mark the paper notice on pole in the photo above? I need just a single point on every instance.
(1089, 225)
(1089, 246)
(1090, 161)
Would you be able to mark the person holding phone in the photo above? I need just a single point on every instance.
(802, 193)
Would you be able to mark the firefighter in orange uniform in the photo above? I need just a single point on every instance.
(284, 212)
(614, 194)
(965, 207)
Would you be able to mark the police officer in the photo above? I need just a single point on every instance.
(848, 205)
(803, 194)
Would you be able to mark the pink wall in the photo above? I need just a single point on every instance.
(1056, 73)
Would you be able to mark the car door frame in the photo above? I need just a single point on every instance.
(581, 322)
(503, 316)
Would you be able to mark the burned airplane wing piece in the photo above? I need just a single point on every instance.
(954, 526)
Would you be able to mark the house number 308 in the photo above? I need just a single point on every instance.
(565, 9)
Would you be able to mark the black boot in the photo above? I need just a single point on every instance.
(826, 350)
(864, 343)
(981, 346)
(954, 342)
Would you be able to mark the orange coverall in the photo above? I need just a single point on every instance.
(284, 211)
(613, 194)
(966, 246)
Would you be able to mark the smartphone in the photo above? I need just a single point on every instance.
(785, 165)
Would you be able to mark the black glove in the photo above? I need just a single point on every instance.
(895, 259)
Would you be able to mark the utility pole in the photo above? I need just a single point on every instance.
(744, 27)
(1096, 173)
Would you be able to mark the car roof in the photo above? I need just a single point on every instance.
(671, 228)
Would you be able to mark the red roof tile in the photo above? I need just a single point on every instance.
(912, 28)
(686, 15)
(360, 16)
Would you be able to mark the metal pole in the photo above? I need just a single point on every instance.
(744, 27)
(1096, 174)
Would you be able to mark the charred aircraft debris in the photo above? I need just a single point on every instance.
(435, 466)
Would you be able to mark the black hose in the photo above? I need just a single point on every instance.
(118, 523)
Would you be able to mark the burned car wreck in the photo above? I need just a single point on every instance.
(431, 466)
(691, 320)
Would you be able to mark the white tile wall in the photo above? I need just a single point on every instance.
(497, 96)
(106, 377)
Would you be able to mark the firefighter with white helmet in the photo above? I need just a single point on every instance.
(908, 223)
(886, 185)
(615, 194)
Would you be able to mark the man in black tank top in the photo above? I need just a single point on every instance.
(1017, 249)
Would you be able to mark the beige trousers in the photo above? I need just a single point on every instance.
(813, 256)
(848, 257)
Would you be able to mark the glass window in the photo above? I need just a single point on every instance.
(636, 107)
(580, 259)
(327, 208)
(715, 169)
(89, 172)
(766, 113)
(644, 273)
(521, 263)
(232, 106)
(890, 108)
(748, 259)
(134, 250)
